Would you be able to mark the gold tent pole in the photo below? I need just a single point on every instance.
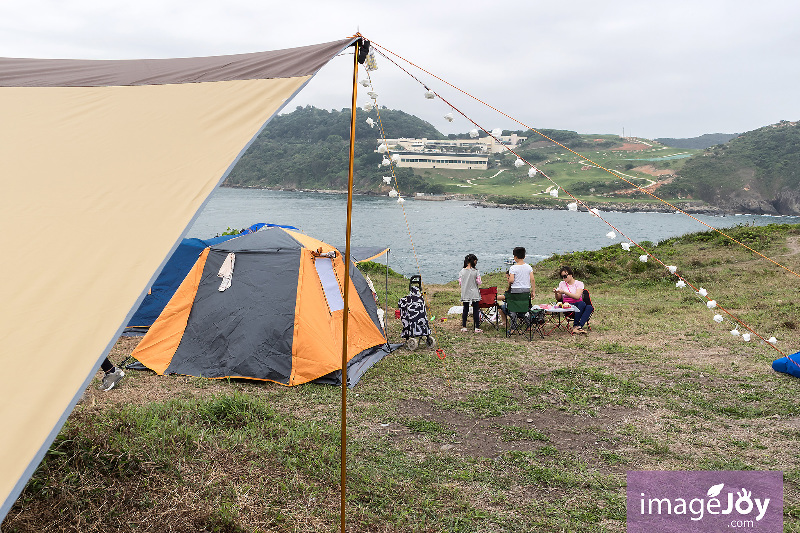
(347, 284)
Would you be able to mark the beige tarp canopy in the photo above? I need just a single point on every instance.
(94, 154)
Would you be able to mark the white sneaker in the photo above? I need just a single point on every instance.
(111, 379)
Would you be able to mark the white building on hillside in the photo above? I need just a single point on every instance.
(482, 145)
(456, 161)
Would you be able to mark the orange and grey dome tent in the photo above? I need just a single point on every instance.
(94, 152)
(279, 319)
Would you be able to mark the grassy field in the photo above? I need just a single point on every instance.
(501, 434)
(582, 178)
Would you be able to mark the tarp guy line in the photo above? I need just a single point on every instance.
(616, 175)
(579, 201)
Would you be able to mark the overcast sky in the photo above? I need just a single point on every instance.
(656, 69)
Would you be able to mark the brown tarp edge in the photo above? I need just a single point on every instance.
(288, 63)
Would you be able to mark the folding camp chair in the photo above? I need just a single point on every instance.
(518, 306)
(488, 307)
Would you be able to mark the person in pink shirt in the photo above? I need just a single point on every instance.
(571, 291)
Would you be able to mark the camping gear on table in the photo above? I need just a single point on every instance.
(279, 320)
(414, 317)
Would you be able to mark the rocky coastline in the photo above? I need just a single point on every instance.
(735, 207)
(691, 208)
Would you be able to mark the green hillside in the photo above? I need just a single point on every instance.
(309, 148)
(755, 171)
(698, 143)
(586, 178)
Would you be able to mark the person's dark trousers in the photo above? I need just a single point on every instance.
(475, 314)
(583, 314)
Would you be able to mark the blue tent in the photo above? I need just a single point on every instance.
(175, 269)
(788, 365)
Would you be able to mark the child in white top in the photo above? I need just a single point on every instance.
(469, 278)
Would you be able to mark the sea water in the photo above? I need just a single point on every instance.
(431, 238)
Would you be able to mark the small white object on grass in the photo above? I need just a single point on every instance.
(625, 245)
(711, 304)
(735, 332)
(718, 318)
(643, 258)
(554, 192)
(532, 173)
(519, 162)
(681, 284)
(772, 340)
(746, 337)
(672, 269)
(387, 179)
(702, 292)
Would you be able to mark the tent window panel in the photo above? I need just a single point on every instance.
(330, 285)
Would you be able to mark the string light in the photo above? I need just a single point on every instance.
(497, 132)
